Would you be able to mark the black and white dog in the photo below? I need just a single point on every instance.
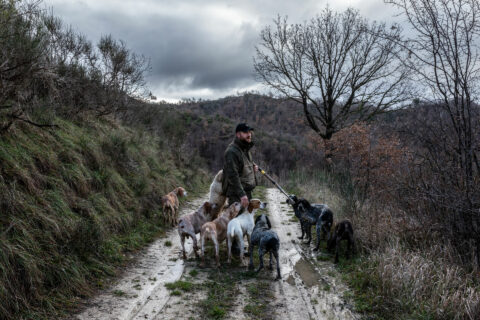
(319, 215)
(267, 241)
(294, 202)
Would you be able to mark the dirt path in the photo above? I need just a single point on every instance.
(309, 288)
(141, 291)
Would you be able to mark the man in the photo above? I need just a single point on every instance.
(239, 169)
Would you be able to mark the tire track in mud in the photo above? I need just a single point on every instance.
(140, 293)
(309, 288)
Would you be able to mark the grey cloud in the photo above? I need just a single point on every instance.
(188, 51)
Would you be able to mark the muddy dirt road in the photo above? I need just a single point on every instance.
(160, 285)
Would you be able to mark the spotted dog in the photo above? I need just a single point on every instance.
(308, 214)
(217, 230)
(267, 241)
(190, 224)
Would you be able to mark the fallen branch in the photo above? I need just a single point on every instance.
(39, 125)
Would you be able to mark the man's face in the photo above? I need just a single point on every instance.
(245, 136)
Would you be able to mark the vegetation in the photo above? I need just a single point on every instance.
(84, 161)
(74, 199)
(331, 67)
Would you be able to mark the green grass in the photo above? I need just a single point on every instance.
(74, 200)
(193, 273)
(221, 289)
(180, 285)
(260, 294)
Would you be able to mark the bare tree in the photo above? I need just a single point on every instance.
(123, 74)
(23, 63)
(338, 66)
(444, 55)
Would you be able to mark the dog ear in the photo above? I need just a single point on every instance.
(301, 207)
(268, 222)
(207, 207)
(306, 204)
(220, 176)
(258, 218)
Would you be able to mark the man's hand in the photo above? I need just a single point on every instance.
(255, 167)
(244, 201)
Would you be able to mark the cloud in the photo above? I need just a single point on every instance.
(197, 48)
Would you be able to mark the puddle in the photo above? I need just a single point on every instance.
(290, 280)
(307, 272)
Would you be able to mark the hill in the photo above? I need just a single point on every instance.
(282, 140)
(74, 200)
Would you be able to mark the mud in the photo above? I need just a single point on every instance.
(140, 293)
(307, 273)
(309, 288)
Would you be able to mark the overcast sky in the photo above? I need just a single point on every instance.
(198, 48)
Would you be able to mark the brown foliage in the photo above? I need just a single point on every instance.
(373, 161)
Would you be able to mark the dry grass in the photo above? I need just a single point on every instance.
(427, 280)
(72, 201)
(403, 272)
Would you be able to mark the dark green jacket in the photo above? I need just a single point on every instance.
(238, 172)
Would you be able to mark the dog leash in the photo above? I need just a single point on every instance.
(273, 181)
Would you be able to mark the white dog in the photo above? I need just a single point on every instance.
(241, 226)
(216, 196)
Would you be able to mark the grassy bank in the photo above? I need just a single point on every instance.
(73, 201)
(399, 272)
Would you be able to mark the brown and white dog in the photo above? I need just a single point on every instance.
(217, 230)
(216, 196)
(170, 205)
(190, 224)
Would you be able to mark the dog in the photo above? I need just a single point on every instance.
(170, 205)
(319, 215)
(294, 202)
(216, 196)
(342, 231)
(267, 241)
(216, 230)
(190, 224)
(243, 225)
